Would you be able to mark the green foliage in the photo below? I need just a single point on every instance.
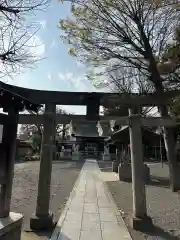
(128, 37)
(172, 51)
(36, 139)
(172, 54)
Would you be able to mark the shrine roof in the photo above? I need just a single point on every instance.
(91, 129)
(105, 129)
(85, 129)
(122, 135)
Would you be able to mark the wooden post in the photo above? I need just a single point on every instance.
(8, 152)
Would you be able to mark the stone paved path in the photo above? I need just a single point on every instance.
(90, 213)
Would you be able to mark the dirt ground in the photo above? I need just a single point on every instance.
(64, 175)
(163, 205)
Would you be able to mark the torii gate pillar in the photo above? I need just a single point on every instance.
(139, 218)
(43, 219)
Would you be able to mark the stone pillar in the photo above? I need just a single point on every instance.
(43, 219)
(8, 152)
(54, 149)
(170, 142)
(116, 163)
(138, 182)
(106, 155)
(174, 170)
(75, 153)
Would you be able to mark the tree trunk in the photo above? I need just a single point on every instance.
(63, 132)
(169, 137)
(170, 144)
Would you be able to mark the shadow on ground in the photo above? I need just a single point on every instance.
(162, 205)
(105, 166)
(36, 235)
(155, 232)
(159, 181)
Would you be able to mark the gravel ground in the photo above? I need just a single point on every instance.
(163, 205)
(64, 175)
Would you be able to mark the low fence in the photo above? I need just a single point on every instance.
(82, 155)
(63, 156)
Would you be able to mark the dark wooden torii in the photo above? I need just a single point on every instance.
(12, 103)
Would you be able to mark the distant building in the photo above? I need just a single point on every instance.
(153, 144)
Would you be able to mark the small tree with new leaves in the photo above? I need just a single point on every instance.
(129, 36)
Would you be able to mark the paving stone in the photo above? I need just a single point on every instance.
(76, 208)
(91, 208)
(73, 216)
(90, 225)
(106, 215)
(77, 202)
(90, 235)
(91, 217)
(92, 213)
(91, 222)
(86, 200)
(110, 229)
(70, 230)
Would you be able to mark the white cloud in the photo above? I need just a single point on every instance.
(61, 76)
(53, 44)
(77, 110)
(49, 76)
(79, 64)
(43, 23)
(78, 82)
(36, 45)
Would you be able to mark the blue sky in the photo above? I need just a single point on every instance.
(59, 71)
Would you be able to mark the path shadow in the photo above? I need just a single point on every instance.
(43, 233)
(105, 166)
(156, 232)
(159, 181)
(106, 169)
(49, 235)
(63, 237)
(30, 235)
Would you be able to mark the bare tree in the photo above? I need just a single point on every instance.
(129, 36)
(117, 35)
(17, 30)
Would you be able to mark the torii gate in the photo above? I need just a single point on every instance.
(93, 101)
